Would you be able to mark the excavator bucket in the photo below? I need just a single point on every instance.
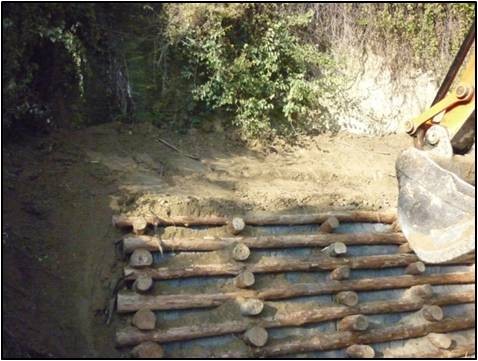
(436, 208)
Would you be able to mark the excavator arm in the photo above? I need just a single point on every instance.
(436, 204)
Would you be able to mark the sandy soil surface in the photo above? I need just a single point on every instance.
(60, 191)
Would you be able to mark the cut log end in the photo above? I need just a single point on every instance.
(240, 252)
(432, 313)
(419, 291)
(250, 306)
(256, 336)
(141, 258)
(236, 225)
(329, 225)
(360, 351)
(405, 248)
(340, 273)
(347, 298)
(440, 340)
(144, 319)
(244, 279)
(139, 225)
(148, 349)
(143, 284)
(353, 323)
(335, 249)
(415, 268)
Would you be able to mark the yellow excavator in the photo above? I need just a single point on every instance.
(436, 202)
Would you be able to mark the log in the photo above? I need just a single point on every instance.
(280, 264)
(395, 227)
(129, 302)
(139, 225)
(459, 351)
(131, 336)
(329, 225)
(240, 252)
(143, 283)
(256, 336)
(388, 217)
(340, 273)
(415, 268)
(236, 225)
(440, 340)
(432, 313)
(405, 248)
(335, 249)
(148, 349)
(342, 339)
(131, 242)
(250, 306)
(144, 319)
(419, 291)
(244, 279)
(347, 298)
(360, 351)
(353, 323)
(141, 258)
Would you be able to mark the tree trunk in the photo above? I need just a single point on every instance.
(129, 302)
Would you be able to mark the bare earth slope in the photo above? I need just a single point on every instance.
(60, 192)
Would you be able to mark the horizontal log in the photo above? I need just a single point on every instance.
(130, 336)
(153, 243)
(388, 217)
(284, 264)
(464, 350)
(130, 302)
(343, 339)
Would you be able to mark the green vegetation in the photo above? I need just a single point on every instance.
(263, 68)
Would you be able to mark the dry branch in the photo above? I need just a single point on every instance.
(388, 217)
(277, 264)
(131, 336)
(130, 302)
(132, 242)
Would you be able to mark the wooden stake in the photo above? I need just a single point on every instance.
(240, 252)
(132, 242)
(275, 264)
(405, 248)
(129, 302)
(432, 313)
(131, 336)
(250, 306)
(244, 279)
(360, 351)
(347, 298)
(440, 340)
(140, 258)
(329, 225)
(353, 323)
(415, 268)
(143, 283)
(420, 291)
(256, 336)
(340, 273)
(148, 349)
(236, 225)
(144, 319)
(335, 249)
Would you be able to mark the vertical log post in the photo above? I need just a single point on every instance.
(329, 225)
(353, 323)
